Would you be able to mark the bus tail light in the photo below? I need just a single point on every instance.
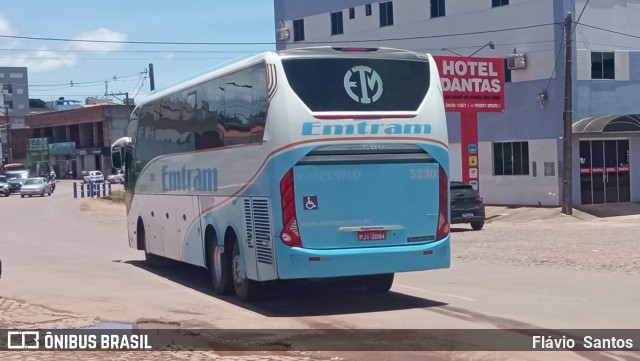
(290, 234)
(443, 209)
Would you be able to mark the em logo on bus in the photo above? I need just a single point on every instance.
(367, 79)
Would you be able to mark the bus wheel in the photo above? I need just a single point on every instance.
(378, 283)
(220, 267)
(246, 289)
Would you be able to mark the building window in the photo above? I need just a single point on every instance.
(336, 23)
(20, 91)
(8, 104)
(437, 8)
(549, 169)
(352, 13)
(511, 158)
(16, 75)
(298, 30)
(386, 14)
(495, 3)
(7, 89)
(603, 65)
(367, 10)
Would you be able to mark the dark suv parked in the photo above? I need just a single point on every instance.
(466, 205)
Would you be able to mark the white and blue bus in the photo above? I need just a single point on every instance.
(307, 163)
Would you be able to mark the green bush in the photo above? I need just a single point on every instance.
(116, 196)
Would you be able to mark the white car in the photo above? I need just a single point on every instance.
(118, 177)
(35, 186)
(94, 176)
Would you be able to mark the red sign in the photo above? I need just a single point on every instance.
(472, 84)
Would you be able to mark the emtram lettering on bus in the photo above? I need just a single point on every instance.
(189, 179)
(363, 128)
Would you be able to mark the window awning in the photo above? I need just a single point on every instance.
(611, 123)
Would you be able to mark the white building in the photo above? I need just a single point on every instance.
(520, 150)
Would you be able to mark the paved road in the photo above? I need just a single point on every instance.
(67, 264)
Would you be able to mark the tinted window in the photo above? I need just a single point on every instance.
(603, 65)
(225, 111)
(3, 179)
(298, 30)
(437, 8)
(511, 158)
(458, 186)
(358, 84)
(386, 14)
(336, 23)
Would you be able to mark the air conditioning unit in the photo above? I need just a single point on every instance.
(283, 34)
(516, 61)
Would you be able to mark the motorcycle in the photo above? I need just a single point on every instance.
(52, 181)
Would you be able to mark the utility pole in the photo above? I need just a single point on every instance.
(8, 130)
(152, 82)
(567, 118)
(126, 101)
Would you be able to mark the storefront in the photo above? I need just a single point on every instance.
(607, 147)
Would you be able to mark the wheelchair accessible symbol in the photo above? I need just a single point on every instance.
(310, 203)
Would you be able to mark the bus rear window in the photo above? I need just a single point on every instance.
(358, 84)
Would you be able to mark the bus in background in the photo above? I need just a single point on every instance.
(307, 163)
(16, 174)
(13, 166)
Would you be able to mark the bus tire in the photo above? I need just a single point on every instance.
(220, 268)
(246, 289)
(378, 283)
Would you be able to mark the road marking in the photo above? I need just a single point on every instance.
(438, 293)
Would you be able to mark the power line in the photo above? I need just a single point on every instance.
(580, 16)
(272, 43)
(611, 31)
(91, 82)
(109, 59)
(555, 66)
(136, 51)
(132, 42)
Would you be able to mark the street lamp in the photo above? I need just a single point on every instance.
(451, 51)
(490, 44)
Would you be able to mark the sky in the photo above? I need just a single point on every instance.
(77, 69)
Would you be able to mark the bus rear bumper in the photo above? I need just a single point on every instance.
(317, 263)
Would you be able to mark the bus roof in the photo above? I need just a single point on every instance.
(319, 51)
(328, 51)
(223, 68)
(14, 166)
